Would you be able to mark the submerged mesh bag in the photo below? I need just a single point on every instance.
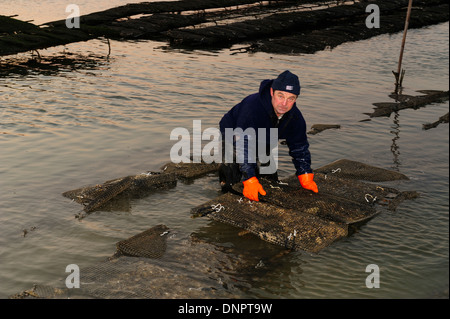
(136, 186)
(191, 268)
(150, 243)
(356, 170)
(287, 216)
(190, 170)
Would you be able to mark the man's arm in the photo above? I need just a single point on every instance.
(301, 157)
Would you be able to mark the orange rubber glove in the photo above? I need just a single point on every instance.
(306, 180)
(252, 187)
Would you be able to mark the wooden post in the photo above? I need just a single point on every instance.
(400, 73)
(109, 48)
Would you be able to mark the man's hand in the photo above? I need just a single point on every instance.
(306, 180)
(252, 187)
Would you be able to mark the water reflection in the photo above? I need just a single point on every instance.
(395, 148)
(52, 65)
(23, 114)
(83, 129)
(251, 264)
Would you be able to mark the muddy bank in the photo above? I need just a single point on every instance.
(269, 26)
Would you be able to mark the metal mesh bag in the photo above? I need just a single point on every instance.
(365, 195)
(190, 170)
(108, 192)
(136, 186)
(293, 229)
(323, 205)
(345, 168)
(296, 218)
(189, 268)
(127, 277)
(41, 291)
(150, 243)
(95, 197)
(288, 216)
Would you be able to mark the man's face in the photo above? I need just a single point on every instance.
(282, 102)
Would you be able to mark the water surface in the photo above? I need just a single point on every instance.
(113, 117)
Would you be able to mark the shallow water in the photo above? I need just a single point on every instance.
(112, 118)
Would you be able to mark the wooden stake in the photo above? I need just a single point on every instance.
(109, 48)
(400, 73)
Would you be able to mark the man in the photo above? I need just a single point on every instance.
(274, 106)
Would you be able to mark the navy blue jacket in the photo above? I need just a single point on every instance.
(256, 111)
